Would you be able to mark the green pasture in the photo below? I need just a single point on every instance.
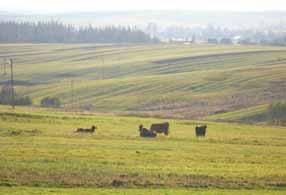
(40, 152)
(103, 191)
(218, 85)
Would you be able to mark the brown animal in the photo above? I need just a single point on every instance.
(146, 132)
(82, 130)
(201, 130)
(160, 128)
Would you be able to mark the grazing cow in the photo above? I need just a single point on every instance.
(160, 128)
(201, 130)
(82, 130)
(146, 132)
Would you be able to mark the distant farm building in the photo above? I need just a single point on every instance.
(226, 41)
(212, 41)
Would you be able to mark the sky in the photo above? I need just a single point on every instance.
(47, 6)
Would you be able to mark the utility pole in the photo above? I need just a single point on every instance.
(12, 85)
(103, 76)
(72, 90)
(4, 66)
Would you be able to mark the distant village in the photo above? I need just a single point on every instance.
(219, 40)
(266, 35)
(229, 41)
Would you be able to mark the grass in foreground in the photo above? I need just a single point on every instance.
(42, 150)
(102, 191)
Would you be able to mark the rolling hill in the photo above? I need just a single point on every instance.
(255, 114)
(166, 80)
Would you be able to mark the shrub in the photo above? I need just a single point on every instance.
(277, 113)
(51, 102)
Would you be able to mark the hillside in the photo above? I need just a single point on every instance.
(185, 81)
(255, 114)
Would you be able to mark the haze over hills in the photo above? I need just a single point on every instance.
(250, 27)
(163, 18)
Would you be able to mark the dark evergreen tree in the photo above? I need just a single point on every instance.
(55, 32)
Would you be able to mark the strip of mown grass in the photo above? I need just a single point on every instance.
(251, 114)
(170, 80)
(105, 191)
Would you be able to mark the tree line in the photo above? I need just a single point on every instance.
(6, 97)
(56, 32)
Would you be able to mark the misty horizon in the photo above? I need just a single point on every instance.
(85, 6)
(34, 12)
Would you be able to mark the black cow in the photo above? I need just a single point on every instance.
(146, 132)
(82, 130)
(160, 128)
(201, 130)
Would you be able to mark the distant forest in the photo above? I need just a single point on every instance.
(55, 32)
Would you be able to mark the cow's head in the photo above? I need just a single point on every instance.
(140, 127)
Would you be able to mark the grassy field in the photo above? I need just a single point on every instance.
(103, 191)
(41, 153)
(170, 80)
(221, 85)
